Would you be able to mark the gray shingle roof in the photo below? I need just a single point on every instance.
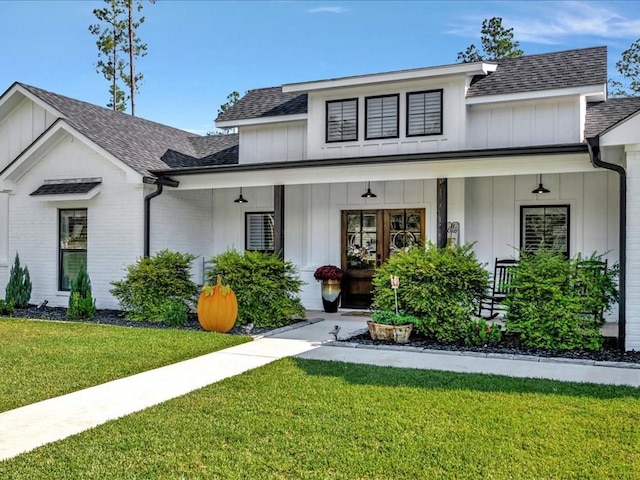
(211, 150)
(266, 102)
(139, 143)
(571, 68)
(604, 115)
(65, 188)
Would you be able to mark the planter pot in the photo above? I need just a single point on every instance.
(330, 295)
(390, 333)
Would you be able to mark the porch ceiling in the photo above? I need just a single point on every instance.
(390, 168)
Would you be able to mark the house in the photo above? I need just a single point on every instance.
(343, 171)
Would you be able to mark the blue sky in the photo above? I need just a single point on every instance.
(199, 51)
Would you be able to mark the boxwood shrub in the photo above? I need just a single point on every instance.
(553, 300)
(265, 285)
(442, 287)
(153, 286)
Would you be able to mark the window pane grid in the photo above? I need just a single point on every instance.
(424, 113)
(382, 117)
(73, 240)
(342, 120)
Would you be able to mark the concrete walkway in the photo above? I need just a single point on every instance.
(29, 427)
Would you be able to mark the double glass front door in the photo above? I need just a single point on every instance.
(369, 237)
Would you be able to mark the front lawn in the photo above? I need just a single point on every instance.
(41, 360)
(303, 419)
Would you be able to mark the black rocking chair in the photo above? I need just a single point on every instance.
(591, 269)
(492, 304)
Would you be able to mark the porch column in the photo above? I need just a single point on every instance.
(441, 214)
(632, 308)
(278, 219)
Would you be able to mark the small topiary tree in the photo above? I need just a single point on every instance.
(153, 286)
(442, 287)
(18, 289)
(264, 284)
(556, 303)
(81, 303)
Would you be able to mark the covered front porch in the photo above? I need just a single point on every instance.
(313, 210)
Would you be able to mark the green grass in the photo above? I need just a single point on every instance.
(300, 419)
(40, 360)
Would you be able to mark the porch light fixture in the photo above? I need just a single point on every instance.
(368, 193)
(540, 188)
(241, 199)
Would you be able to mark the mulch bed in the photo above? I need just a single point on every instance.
(116, 317)
(509, 347)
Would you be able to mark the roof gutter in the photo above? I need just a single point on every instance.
(596, 160)
(160, 183)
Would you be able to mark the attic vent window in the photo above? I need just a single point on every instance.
(342, 120)
(424, 113)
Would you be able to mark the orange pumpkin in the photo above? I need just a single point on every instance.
(217, 307)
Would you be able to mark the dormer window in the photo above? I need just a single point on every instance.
(424, 113)
(342, 120)
(382, 117)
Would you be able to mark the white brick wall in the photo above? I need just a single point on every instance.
(182, 221)
(114, 223)
(632, 341)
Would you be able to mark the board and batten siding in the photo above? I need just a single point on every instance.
(115, 230)
(280, 142)
(453, 110)
(523, 124)
(313, 219)
(492, 211)
(20, 128)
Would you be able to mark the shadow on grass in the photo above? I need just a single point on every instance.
(434, 379)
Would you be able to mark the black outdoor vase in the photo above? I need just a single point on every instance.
(330, 295)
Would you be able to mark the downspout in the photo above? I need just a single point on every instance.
(159, 182)
(596, 160)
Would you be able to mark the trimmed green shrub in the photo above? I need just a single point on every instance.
(175, 313)
(441, 287)
(18, 289)
(153, 282)
(264, 284)
(556, 303)
(6, 308)
(81, 303)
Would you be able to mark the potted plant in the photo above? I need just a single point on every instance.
(391, 326)
(331, 278)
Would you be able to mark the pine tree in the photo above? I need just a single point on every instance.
(497, 42)
(119, 36)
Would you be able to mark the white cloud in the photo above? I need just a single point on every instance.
(554, 22)
(327, 10)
